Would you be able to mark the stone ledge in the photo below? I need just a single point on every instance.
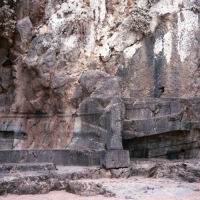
(115, 159)
(59, 157)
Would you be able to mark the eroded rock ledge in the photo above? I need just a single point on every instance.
(88, 181)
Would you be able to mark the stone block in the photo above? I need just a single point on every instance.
(59, 157)
(24, 28)
(115, 159)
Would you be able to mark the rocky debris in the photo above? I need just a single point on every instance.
(142, 175)
(187, 170)
(25, 178)
(115, 159)
(87, 189)
(137, 188)
(36, 178)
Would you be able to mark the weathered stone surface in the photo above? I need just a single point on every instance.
(60, 80)
(140, 188)
(142, 175)
(148, 116)
(59, 157)
(87, 189)
(115, 159)
(21, 167)
(161, 128)
(98, 122)
(38, 129)
(24, 28)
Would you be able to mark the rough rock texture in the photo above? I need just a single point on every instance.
(100, 75)
(60, 157)
(151, 177)
(135, 188)
(115, 159)
(167, 128)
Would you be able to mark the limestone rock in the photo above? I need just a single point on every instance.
(115, 159)
(24, 27)
(60, 80)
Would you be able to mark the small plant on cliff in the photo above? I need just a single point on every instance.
(7, 18)
(140, 20)
(76, 27)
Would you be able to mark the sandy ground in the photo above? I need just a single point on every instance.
(55, 195)
(62, 195)
(137, 188)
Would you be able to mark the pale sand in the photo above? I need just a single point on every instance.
(62, 195)
(55, 195)
(131, 183)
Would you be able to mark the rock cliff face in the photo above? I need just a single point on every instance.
(103, 74)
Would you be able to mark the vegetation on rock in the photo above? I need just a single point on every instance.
(7, 18)
(140, 20)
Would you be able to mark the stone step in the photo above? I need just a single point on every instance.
(59, 157)
(24, 167)
(146, 127)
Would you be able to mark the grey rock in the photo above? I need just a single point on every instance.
(194, 188)
(155, 117)
(115, 113)
(90, 106)
(2, 100)
(87, 189)
(115, 159)
(107, 109)
(5, 76)
(24, 28)
(45, 80)
(42, 107)
(140, 176)
(162, 127)
(121, 173)
(49, 59)
(108, 89)
(23, 167)
(89, 80)
(88, 134)
(60, 80)
(73, 55)
(76, 97)
(99, 122)
(41, 44)
(92, 65)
